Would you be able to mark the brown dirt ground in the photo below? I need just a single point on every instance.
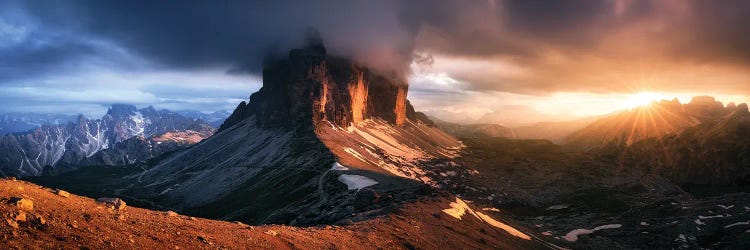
(79, 222)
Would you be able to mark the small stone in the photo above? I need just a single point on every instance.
(20, 216)
(116, 203)
(170, 213)
(38, 219)
(62, 193)
(12, 223)
(272, 233)
(23, 204)
(203, 240)
(192, 218)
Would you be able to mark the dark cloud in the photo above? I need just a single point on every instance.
(597, 46)
(237, 34)
(540, 46)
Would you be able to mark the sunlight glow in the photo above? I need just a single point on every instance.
(642, 99)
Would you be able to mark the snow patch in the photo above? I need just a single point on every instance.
(558, 207)
(339, 167)
(356, 181)
(738, 224)
(681, 237)
(572, 236)
(725, 207)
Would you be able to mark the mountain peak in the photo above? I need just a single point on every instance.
(119, 109)
(310, 86)
(742, 107)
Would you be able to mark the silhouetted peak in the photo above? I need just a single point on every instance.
(121, 109)
(673, 104)
(704, 101)
(81, 118)
(313, 50)
(742, 108)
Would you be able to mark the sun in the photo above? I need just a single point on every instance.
(642, 98)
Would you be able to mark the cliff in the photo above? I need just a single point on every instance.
(309, 86)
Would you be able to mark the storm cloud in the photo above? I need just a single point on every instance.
(520, 47)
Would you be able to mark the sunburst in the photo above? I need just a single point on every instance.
(642, 98)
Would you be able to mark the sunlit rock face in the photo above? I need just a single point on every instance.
(310, 86)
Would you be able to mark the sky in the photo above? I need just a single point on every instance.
(466, 61)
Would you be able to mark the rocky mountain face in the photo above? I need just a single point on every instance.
(138, 148)
(311, 87)
(59, 148)
(24, 122)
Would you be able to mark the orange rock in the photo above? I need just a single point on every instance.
(23, 204)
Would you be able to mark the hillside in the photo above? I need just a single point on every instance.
(715, 152)
(473, 130)
(553, 131)
(79, 222)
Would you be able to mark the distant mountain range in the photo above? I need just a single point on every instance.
(214, 119)
(650, 121)
(23, 122)
(473, 130)
(714, 152)
(553, 131)
(60, 147)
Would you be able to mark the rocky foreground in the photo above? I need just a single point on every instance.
(35, 217)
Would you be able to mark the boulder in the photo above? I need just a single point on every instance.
(366, 197)
(21, 203)
(37, 219)
(62, 193)
(12, 223)
(20, 216)
(271, 232)
(116, 203)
